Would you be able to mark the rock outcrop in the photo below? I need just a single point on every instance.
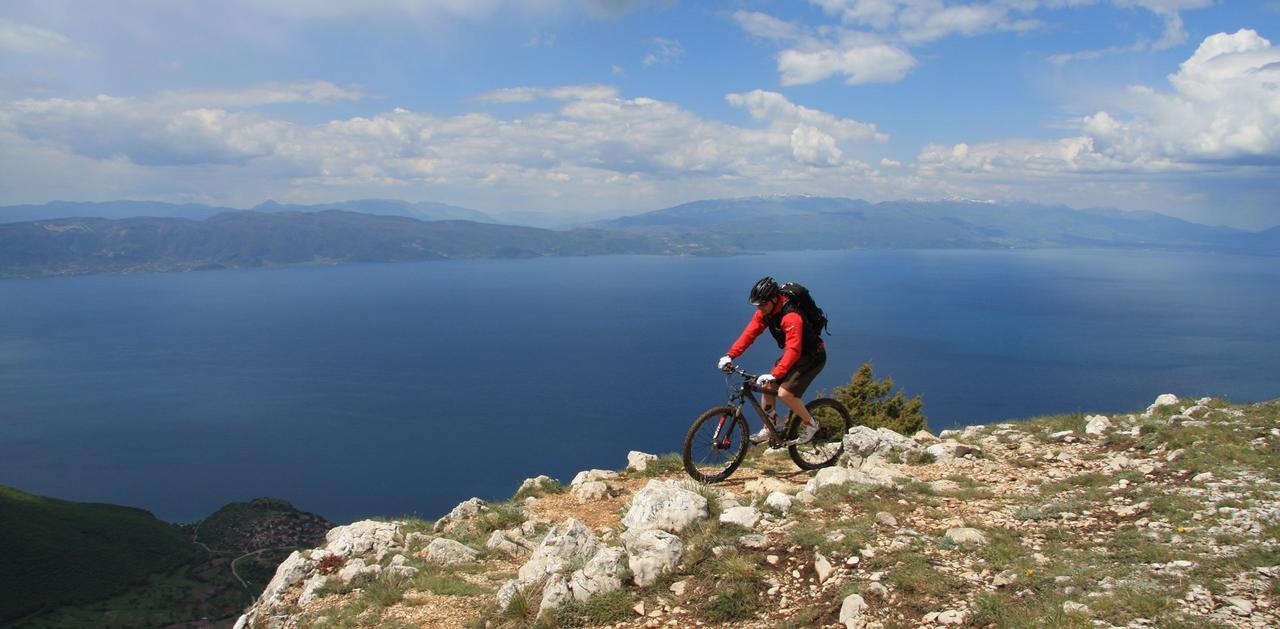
(1064, 518)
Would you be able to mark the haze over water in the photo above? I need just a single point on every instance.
(404, 388)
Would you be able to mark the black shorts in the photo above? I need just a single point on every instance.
(803, 372)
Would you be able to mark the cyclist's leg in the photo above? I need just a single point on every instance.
(796, 382)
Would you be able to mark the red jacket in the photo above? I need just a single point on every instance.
(792, 325)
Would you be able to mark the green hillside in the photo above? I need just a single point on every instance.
(58, 552)
(260, 523)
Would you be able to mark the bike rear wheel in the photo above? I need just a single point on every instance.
(826, 446)
(716, 444)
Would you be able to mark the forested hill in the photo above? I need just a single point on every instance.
(72, 246)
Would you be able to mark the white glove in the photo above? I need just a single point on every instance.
(725, 363)
(766, 380)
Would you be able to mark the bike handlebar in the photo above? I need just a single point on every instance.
(746, 375)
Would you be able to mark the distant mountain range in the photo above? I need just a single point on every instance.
(75, 246)
(801, 222)
(131, 236)
(422, 210)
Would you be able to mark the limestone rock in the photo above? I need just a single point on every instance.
(827, 476)
(602, 573)
(591, 490)
(746, 517)
(966, 535)
(290, 571)
(664, 505)
(769, 485)
(542, 482)
(309, 588)
(564, 543)
(587, 476)
(780, 501)
(447, 552)
(851, 611)
(508, 591)
(952, 617)
(555, 592)
(468, 508)
(503, 542)
(1167, 399)
(923, 437)
(1097, 424)
(1072, 607)
(356, 571)
(652, 553)
(366, 537)
(822, 567)
(951, 450)
(639, 461)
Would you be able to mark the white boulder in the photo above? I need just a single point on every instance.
(591, 491)
(746, 517)
(587, 476)
(1167, 399)
(603, 573)
(555, 592)
(366, 537)
(447, 552)
(639, 461)
(1097, 424)
(469, 508)
(564, 543)
(651, 553)
(779, 501)
(664, 505)
(966, 535)
(851, 611)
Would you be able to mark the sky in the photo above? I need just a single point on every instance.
(603, 107)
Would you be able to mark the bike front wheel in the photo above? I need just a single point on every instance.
(826, 446)
(716, 444)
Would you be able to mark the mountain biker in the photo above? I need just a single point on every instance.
(804, 355)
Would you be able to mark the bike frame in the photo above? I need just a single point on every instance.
(746, 393)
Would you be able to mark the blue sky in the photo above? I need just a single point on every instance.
(593, 107)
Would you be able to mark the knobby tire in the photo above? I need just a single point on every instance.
(826, 447)
(707, 462)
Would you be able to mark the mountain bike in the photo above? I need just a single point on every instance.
(718, 439)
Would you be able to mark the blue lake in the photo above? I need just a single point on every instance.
(404, 388)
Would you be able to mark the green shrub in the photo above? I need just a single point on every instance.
(668, 463)
(870, 404)
(551, 486)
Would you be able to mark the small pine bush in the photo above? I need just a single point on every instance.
(870, 404)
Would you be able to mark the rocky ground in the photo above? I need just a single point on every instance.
(1166, 518)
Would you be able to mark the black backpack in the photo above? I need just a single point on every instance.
(814, 317)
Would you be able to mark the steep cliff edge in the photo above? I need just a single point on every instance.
(1169, 517)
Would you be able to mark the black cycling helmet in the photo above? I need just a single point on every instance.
(764, 290)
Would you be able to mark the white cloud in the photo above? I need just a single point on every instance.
(31, 40)
(871, 42)
(1224, 108)
(860, 57)
(775, 109)
(529, 94)
(666, 51)
(766, 26)
(594, 139)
